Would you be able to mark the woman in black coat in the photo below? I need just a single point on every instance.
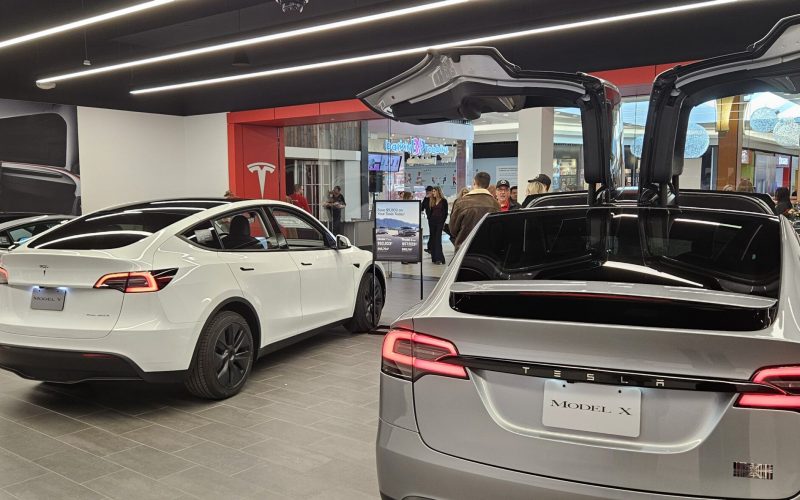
(784, 204)
(438, 208)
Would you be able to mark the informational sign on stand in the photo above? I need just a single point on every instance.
(398, 231)
(398, 234)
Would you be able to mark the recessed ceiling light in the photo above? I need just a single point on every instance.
(83, 22)
(460, 43)
(257, 40)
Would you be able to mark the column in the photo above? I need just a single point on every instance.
(730, 117)
(535, 141)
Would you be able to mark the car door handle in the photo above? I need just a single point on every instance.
(247, 268)
(306, 263)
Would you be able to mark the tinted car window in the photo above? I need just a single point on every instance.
(245, 230)
(20, 234)
(39, 139)
(118, 227)
(682, 247)
(298, 230)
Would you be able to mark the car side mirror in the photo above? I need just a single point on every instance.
(342, 242)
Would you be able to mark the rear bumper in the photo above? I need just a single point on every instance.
(149, 348)
(53, 365)
(409, 470)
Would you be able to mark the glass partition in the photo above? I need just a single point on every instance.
(747, 142)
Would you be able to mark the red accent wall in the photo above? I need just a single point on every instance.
(258, 147)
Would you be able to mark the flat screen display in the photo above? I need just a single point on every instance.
(383, 162)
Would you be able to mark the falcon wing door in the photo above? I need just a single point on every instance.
(751, 101)
(464, 83)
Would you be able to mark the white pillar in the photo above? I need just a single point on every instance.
(535, 145)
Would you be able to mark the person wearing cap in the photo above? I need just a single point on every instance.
(470, 209)
(425, 206)
(503, 195)
(538, 185)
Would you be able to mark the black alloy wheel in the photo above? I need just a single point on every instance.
(233, 353)
(377, 305)
(362, 320)
(223, 357)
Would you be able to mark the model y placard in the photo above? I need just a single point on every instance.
(398, 237)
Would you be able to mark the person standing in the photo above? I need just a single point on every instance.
(471, 208)
(298, 199)
(335, 204)
(536, 186)
(503, 193)
(784, 204)
(745, 186)
(438, 208)
(425, 206)
(514, 192)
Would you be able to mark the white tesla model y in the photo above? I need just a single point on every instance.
(178, 290)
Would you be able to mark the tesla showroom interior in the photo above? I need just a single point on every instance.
(399, 249)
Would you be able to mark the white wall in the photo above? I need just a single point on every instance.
(128, 156)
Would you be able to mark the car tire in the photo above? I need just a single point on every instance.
(362, 321)
(223, 357)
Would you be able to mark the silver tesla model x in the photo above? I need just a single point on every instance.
(610, 343)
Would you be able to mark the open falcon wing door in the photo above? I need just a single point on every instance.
(464, 83)
(765, 78)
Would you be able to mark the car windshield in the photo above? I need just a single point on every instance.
(705, 249)
(121, 226)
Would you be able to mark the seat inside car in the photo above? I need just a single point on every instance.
(239, 236)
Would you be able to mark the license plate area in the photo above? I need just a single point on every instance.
(48, 299)
(604, 409)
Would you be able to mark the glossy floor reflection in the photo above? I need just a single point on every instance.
(304, 427)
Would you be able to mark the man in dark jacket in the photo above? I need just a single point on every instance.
(503, 193)
(471, 208)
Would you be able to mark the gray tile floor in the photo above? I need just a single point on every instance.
(304, 427)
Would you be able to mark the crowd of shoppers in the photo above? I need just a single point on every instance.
(469, 207)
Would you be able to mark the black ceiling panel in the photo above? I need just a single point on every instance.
(192, 23)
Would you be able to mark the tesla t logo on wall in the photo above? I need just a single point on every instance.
(262, 169)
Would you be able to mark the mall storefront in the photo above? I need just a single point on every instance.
(749, 139)
(272, 151)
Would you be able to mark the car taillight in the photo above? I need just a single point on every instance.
(410, 355)
(137, 282)
(786, 379)
(3, 276)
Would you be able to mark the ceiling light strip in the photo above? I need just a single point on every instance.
(84, 22)
(346, 23)
(460, 43)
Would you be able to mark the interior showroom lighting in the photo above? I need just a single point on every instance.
(84, 22)
(346, 23)
(417, 50)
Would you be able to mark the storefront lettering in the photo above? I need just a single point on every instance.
(416, 147)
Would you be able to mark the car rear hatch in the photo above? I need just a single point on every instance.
(464, 83)
(54, 284)
(771, 65)
(66, 279)
(610, 346)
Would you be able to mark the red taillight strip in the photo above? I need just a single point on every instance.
(768, 377)
(422, 365)
(767, 401)
(763, 376)
(151, 285)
